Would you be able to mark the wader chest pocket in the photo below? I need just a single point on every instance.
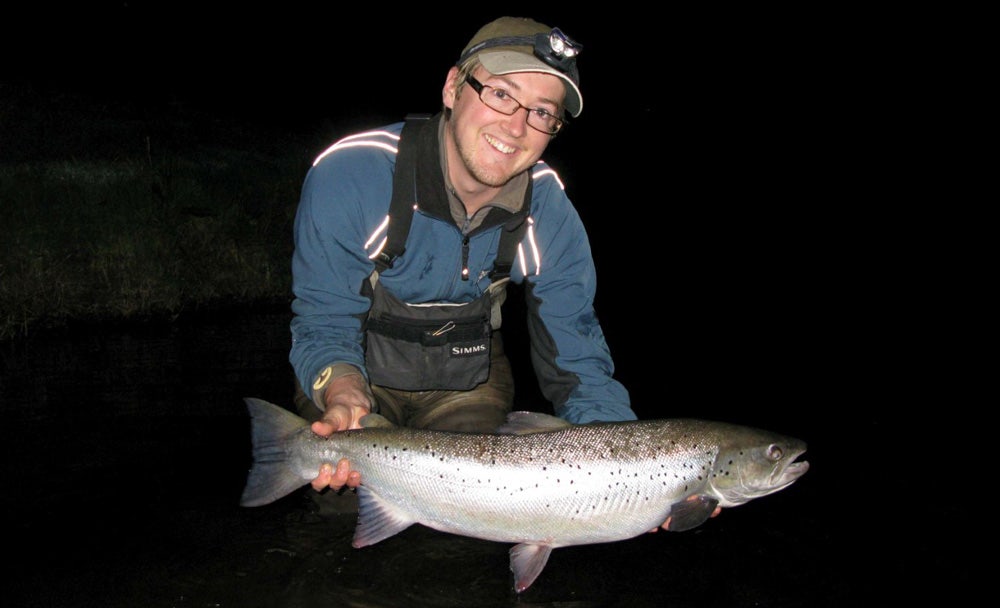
(427, 347)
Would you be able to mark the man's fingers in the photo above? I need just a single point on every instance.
(322, 428)
(341, 474)
(353, 479)
(323, 479)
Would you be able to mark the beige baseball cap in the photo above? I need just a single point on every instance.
(515, 44)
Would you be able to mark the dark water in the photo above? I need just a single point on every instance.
(125, 449)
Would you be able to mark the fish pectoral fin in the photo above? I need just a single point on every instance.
(526, 562)
(690, 513)
(377, 519)
(375, 421)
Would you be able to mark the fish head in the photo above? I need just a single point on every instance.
(754, 463)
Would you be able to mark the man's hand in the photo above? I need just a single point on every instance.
(347, 400)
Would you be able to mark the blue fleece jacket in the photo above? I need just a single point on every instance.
(341, 224)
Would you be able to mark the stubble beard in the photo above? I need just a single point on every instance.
(493, 179)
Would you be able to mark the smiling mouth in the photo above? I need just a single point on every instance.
(498, 145)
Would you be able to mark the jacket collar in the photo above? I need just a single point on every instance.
(432, 183)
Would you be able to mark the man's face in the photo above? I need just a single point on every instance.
(495, 147)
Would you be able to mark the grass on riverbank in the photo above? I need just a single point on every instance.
(130, 218)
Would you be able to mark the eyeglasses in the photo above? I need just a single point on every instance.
(501, 101)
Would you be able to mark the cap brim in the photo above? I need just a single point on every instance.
(509, 62)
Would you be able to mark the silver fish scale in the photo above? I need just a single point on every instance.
(586, 484)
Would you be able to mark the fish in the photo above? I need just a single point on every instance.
(538, 481)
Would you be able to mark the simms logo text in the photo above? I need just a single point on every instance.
(466, 351)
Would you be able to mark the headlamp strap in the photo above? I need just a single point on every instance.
(554, 48)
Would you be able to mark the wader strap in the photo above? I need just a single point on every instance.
(404, 196)
(404, 193)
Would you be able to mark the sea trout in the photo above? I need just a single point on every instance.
(539, 482)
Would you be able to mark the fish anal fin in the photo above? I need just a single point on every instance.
(690, 512)
(377, 519)
(527, 562)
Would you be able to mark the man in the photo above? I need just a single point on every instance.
(414, 336)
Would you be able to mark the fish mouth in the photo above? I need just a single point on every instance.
(790, 473)
(795, 470)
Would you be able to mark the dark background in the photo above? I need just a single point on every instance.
(726, 165)
(723, 164)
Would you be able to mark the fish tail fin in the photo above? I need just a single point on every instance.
(270, 476)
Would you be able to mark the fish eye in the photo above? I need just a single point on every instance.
(774, 452)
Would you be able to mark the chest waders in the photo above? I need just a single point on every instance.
(444, 346)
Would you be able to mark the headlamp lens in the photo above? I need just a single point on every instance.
(559, 51)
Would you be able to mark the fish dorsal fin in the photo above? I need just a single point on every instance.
(375, 421)
(526, 423)
(526, 562)
(377, 519)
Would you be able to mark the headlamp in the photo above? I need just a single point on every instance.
(554, 48)
(557, 50)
